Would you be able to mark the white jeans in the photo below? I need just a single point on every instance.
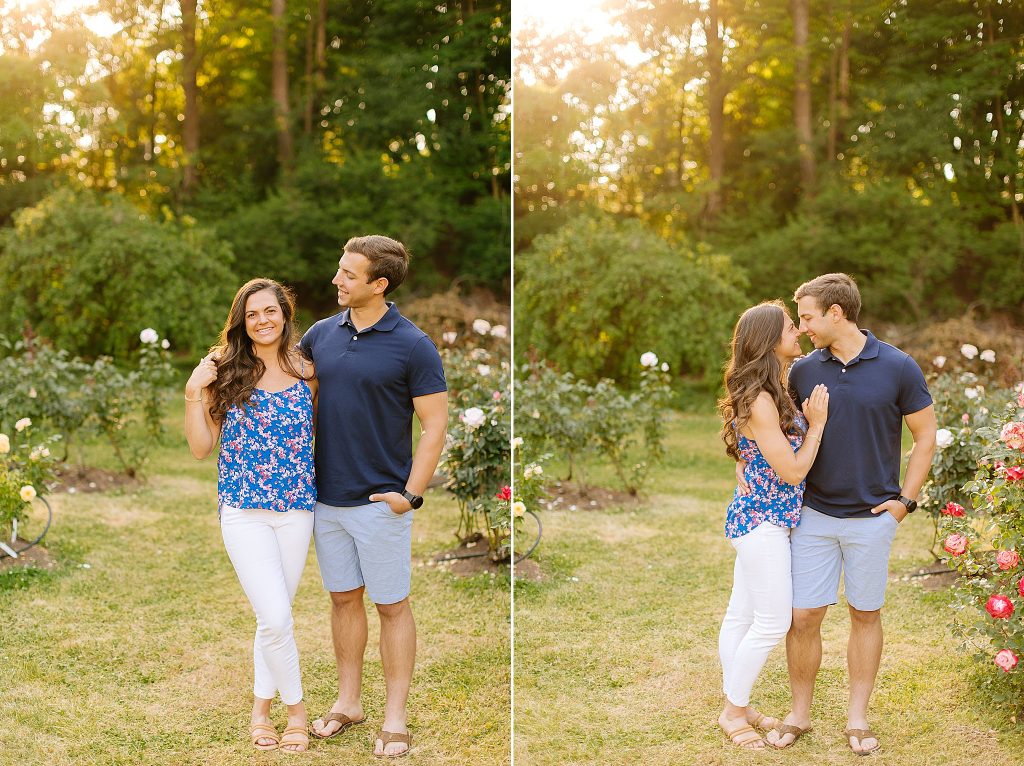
(268, 550)
(760, 609)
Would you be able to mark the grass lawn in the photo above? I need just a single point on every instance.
(616, 649)
(137, 648)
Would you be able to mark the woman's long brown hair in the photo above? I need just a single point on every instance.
(238, 368)
(754, 368)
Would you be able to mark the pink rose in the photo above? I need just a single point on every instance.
(1014, 472)
(1020, 586)
(1007, 660)
(496, 396)
(955, 544)
(1020, 398)
(965, 418)
(954, 509)
(1013, 435)
(1000, 607)
(1007, 559)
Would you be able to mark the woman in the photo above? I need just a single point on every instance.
(258, 396)
(763, 428)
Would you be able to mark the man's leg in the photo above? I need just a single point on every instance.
(348, 633)
(803, 658)
(398, 656)
(864, 654)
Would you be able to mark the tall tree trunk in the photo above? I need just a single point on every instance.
(482, 116)
(839, 90)
(307, 116)
(190, 125)
(279, 86)
(716, 113)
(802, 96)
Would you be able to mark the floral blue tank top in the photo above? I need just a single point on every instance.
(266, 452)
(770, 498)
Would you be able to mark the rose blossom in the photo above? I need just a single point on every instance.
(1014, 472)
(955, 544)
(5, 444)
(1006, 659)
(1012, 434)
(149, 335)
(505, 493)
(1020, 397)
(499, 331)
(953, 509)
(971, 393)
(968, 350)
(664, 366)
(473, 417)
(22, 424)
(649, 359)
(1020, 586)
(27, 493)
(165, 344)
(496, 396)
(1007, 559)
(481, 326)
(999, 606)
(449, 337)
(939, 361)
(517, 442)
(483, 370)
(518, 508)
(943, 438)
(988, 355)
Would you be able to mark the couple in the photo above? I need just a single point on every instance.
(355, 379)
(819, 493)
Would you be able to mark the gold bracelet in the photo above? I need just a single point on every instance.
(816, 437)
(200, 399)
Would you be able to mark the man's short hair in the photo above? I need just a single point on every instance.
(388, 258)
(833, 289)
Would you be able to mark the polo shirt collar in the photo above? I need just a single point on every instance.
(386, 323)
(870, 350)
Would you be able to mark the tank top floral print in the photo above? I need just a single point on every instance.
(266, 452)
(770, 498)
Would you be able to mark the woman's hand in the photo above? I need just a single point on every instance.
(815, 406)
(202, 376)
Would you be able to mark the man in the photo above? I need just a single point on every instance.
(854, 500)
(376, 369)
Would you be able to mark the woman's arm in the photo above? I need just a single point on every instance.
(792, 467)
(201, 430)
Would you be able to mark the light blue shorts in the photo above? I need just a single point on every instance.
(823, 545)
(367, 545)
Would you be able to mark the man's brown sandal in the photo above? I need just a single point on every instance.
(258, 731)
(861, 735)
(743, 736)
(346, 724)
(783, 729)
(387, 737)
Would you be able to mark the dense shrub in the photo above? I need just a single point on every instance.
(595, 294)
(87, 271)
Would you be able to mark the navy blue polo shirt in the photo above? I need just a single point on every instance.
(368, 379)
(858, 462)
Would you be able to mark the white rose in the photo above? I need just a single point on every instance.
(939, 361)
(499, 331)
(481, 326)
(449, 337)
(971, 393)
(473, 417)
(537, 470)
(165, 344)
(518, 508)
(528, 471)
(988, 355)
(149, 335)
(5, 444)
(664, 366)
(535, 414)
(969, 351)
(22, 424)
(943, 438)
(517, 442)
(32, 393)
(483, 369)
(28, 492)
(649, 359)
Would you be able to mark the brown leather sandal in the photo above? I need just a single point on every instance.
(258, 731)
(861, 735)
(295, 735)
(743, 736)
(783, 729)
(387, 737)
(346, 724)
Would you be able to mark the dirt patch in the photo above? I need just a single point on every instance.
(528, 570)
(73, 479)
(468, 559)
(569, 496)
(934, 577)
(36, 556)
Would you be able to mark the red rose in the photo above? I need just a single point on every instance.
(1020, 586)
(955, 544)
(505, 494)
(1007, 660)
(1007, 559)
(953, 509)
(1014, 472)
(1000, 607)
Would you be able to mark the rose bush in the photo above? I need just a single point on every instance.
(26, 472)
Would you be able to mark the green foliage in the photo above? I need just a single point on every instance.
(596, 294)
(88, 272)
(994, 534)
(26, 470)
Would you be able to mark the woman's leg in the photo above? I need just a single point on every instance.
(763, 559)
(739, 616)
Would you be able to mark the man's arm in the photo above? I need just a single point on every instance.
(432, 411)
(922, 427)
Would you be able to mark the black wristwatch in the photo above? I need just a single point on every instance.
(417, 500)
(911, 504)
